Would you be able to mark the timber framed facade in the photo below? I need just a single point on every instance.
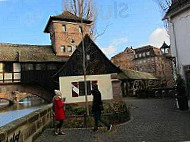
(22, 64)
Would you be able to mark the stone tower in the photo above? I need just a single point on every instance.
(66, 32)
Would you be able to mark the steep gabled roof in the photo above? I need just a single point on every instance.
(66, 16)
(176, 7)
(28, 53)
(97, 64)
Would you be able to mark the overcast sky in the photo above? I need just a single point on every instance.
(129, 23)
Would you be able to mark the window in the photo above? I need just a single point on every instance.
(64, 28)
(38, 67)
(29, 67)
(62, 48)
(81, 88)
(144, 55)
(78, 88)
(147, 53)
(51, 67)
(136, 56)
(80, 29)
(70, 49)
(167, 50)
(8, 67)
(139, 55)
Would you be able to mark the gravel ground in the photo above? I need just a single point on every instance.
(153, 120)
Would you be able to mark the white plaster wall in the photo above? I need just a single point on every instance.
(1, 76)
(1, 67)
(17, 76)
(104, 84)
(181, 25)
(8, 76)
(16, 67)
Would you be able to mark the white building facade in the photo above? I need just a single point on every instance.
(178, 17)
(179, 28)
(99, 71)
(72, 87)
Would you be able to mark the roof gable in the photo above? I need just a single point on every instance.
(97, 64)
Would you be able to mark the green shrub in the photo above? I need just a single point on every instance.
(79, 111)
(117, 110)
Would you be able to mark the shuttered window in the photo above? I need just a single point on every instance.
(78, 88)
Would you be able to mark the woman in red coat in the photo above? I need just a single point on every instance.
(59, 112)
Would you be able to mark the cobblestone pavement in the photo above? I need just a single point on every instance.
(153, 120)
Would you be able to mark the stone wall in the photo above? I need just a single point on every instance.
(27, 128)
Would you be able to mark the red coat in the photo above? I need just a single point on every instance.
(59, 109)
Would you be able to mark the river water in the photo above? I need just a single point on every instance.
(9, 113)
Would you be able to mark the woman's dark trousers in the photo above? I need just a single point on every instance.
(60, 124)
(97, 118)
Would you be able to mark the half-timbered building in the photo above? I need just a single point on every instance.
(22, 64)
(99, 70)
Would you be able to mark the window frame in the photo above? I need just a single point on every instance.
(80, 29)
(64, 28)
(70, 47)
(63, 49)
(80, 85)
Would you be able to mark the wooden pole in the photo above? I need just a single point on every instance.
(84, 70)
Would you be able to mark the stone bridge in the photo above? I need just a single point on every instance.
(15, 93)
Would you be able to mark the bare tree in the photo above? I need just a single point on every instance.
(85, 10)
(164, 4)
(82, 8)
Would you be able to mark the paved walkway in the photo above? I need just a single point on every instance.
(153, 120)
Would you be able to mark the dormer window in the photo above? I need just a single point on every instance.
(70, 49)
(80, 29)
(62, 48)
(64, 28)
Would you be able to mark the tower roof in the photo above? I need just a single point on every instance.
(66, 16)
(164, 46)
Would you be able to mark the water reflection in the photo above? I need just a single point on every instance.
(9, 112)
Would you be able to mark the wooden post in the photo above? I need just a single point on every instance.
(84, 71)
